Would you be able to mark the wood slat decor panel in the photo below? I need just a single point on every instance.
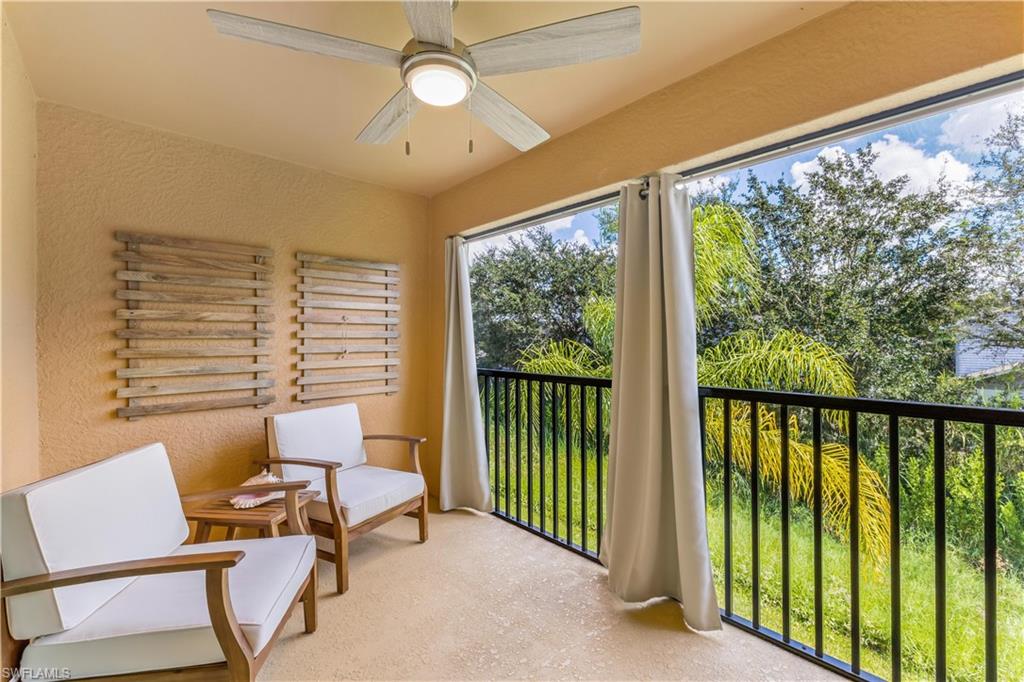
(337, 333)
(203, 283)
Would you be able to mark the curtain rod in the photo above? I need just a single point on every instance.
(814, 138)
(539, 218)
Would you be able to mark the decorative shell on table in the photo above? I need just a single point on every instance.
(248, 501)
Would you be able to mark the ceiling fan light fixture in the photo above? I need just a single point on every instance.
(438, 79)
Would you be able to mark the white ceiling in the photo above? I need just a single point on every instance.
(163, 65)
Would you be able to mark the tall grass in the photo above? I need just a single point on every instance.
(965, 598)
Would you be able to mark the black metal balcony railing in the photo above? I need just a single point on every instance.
(547, 442)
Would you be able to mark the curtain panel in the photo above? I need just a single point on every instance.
(463, 453)
(655, 541)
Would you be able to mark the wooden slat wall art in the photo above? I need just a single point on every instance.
(196, 331)
(348, 337)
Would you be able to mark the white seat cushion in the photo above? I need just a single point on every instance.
(161, 621)
(365, 491)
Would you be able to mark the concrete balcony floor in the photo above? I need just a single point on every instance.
(485, 600)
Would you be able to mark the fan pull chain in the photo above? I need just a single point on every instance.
(469, 106)
(408, 125)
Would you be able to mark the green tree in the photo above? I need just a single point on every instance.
(530, 290)
(882, 274)
(997, 195)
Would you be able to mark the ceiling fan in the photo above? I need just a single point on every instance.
(439, 70)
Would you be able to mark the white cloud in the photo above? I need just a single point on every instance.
(897, 157)
(801, 169)
(480, 246)
(560, 223)
(968, 127)
(711, 185)
(580, 237)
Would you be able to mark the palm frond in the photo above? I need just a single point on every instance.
(599, 321)
(786, 361)
(566, 358)
(835, 467)
(726, 269)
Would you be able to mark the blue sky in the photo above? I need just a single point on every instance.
(946, 144)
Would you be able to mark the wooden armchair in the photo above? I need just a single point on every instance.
(327, 445)
(103, 588)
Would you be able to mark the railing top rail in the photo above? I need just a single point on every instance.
(899, 408)
(601, 382)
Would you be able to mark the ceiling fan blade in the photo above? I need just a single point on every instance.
(504, 118)
(431, 21)
(390, 119)
(302, 39)
(585, 39)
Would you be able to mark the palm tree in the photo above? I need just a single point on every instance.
(727, 276)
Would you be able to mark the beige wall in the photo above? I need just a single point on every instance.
(97, 174)
(861, 58)
(19, 417)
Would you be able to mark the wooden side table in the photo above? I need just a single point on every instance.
(267, 517)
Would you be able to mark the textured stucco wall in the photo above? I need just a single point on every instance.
(97, 174)
(862, 58)
(19, 416)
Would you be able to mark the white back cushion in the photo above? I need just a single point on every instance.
(122, 508)
(331, 433)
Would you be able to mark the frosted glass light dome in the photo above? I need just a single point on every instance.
(439, 85)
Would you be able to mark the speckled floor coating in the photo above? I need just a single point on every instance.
(485, 600)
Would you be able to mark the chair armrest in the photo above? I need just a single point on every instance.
(122, 569)
(386, 436)
(324, 464)
(286, 486)
(414, 447)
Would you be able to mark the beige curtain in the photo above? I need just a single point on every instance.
(463, 455)
(655, 542)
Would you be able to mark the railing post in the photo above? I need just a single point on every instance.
(519, 453)
(755, 514)
(894, 545)
(991, 558)
(543, 456)
(854, 463)
(599, 453)
(529, 452)
(784, 494)
(727, 493)
(939, 447)
(508, 454)
(819, 636)
(554, 459)
(584, 510)
(568, 463)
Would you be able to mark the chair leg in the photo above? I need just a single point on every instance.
(424, 531)
(341, 557)
(202, 532)
(309, 601)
